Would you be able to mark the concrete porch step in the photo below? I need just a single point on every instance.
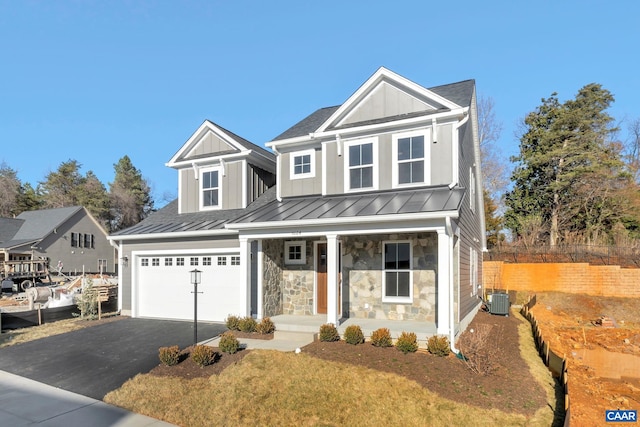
(294, 336)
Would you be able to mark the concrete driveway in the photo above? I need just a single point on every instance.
(96, 360)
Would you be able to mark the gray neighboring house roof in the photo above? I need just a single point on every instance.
(8, 228)
(36, 225)
(460, 93)
(411, 201)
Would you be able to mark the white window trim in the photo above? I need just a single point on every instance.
(303, 252)
(202, 171)
(345, 151)
(312, 156)
(399, 300)
(472, 190)
(427, 158)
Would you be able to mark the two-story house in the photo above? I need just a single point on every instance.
(367, 211)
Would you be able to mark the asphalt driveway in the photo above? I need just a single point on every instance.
(96, 360)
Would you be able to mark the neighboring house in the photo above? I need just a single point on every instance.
(377, 213)
(69, 238)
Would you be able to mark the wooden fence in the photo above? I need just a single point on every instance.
(556, 364)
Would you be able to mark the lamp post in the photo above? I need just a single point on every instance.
(196, 276)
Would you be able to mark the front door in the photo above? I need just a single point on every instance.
(321, 278)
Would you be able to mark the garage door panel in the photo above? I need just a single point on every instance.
(166, 291)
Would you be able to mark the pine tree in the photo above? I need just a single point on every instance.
(130, 196)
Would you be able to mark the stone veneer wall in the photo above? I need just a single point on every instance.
(272, 277)
(298, 285)
(362, 277)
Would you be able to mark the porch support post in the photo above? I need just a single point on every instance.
(332, 279)
(442, 292)
(260, 266)
(245, 275)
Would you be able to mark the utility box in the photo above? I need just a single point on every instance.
(499, 304)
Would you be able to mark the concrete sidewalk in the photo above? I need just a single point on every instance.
(282, 341)
(24, 402)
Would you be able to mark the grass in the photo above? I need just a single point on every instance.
(275, 388)
(19, 336)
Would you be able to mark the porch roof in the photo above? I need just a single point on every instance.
(379, 204)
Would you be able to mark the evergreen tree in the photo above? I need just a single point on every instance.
(28, 199)
(9, 191)
(93, 195)
(62, 187)
(567, 157)
(493, 222)
(130, 196)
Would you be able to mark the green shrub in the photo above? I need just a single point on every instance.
(438, 345)
(407, 342)
(353, 335)
(265, 326)
(328, 332)
(381, 338)
(169, 356)
(232, 323)
(247, 324)
(203, 355)
(228, 343)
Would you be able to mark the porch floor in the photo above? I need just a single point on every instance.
(288, 322)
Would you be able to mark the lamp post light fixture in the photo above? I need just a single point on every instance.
(196, 276)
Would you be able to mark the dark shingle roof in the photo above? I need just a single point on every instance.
(8, 228)
(39, 224)
(424, 200)
(459, 93)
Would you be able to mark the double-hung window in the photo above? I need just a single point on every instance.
(302, 164)
(397, 272)
(410, 166)
(361, 170)
(210, 188)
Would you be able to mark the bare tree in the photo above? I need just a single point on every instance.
(494, 170)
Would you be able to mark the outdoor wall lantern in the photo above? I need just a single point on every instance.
(125, 261)
(196, 276)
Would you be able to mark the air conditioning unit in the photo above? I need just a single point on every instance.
(499, 304)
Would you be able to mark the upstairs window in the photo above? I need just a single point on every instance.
(361, 171)
(74, 240)
(410, 165)
(210, 189)
(303, 164)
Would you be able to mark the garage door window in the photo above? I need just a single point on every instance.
(179, 262)
(155, 262)
(168, 262)
(222, 260)
(194, 261)
(206, 260)
(144, 262)
(235, 260)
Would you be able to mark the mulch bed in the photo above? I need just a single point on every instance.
(509, 387)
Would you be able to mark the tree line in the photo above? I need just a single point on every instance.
(127, 202)
(573, 181)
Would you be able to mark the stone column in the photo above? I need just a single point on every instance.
(332, 279)
(443, 283)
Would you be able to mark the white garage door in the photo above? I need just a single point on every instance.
(164, 288)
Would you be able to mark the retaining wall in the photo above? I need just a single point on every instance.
(578, 278)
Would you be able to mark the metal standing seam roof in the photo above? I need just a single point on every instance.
(423, 200)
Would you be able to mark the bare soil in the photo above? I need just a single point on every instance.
(510, 387)
(570, 324)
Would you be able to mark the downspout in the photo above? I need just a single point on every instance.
(278, 196)
(452, 328)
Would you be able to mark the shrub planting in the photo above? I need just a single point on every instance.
(353, 335)
(169, 356)
(247, 324)
(478, 350)
(438, 345)
(203, 355)
(265, 326)
(381, 338)
(407, 342)
(328, 332)
(232, 323)
(228, 343)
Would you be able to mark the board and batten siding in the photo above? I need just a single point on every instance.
(258, 181)
(211, 144)
(168, 245)
(231, 191)
(301, 186)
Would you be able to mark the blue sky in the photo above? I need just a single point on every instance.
(96, 80)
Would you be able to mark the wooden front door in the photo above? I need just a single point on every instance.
(321, 278)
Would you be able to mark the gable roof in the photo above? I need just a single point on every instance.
(8, 228)
(34, 225)
(440, 98)
(236, 144)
